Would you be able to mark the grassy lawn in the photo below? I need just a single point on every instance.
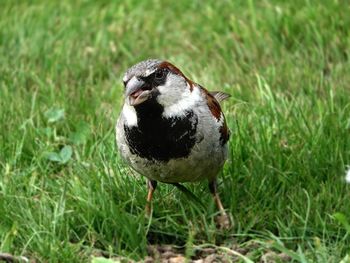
(65, 195)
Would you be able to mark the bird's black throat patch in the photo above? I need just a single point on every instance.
(159, 138)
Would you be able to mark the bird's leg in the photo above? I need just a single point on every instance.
(152, 185)
(223, 219)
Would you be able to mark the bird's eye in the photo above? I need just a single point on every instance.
(160, 74)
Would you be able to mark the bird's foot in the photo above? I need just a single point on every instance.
(223, 222)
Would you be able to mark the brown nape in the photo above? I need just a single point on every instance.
(175, 70)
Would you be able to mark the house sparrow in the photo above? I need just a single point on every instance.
(171, 129)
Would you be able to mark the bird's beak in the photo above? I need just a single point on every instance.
(137, 91)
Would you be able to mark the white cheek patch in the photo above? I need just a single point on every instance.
(167, 99)
(187, 101)
(129, 114)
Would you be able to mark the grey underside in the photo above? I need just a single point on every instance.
(204, 161)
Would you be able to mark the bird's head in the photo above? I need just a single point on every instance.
(155, 79)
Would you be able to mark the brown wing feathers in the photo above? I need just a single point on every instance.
(215, 109)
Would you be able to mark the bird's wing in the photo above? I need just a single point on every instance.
(219, 95)
(214, 107)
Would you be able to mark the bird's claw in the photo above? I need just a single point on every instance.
(223, 222)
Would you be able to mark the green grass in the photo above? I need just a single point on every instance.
(288, 70)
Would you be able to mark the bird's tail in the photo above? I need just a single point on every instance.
(189, 194)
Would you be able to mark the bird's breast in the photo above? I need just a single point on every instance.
(161, 139)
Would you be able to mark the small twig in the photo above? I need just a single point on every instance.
(11, 258)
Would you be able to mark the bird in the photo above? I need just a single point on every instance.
(172, 130)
